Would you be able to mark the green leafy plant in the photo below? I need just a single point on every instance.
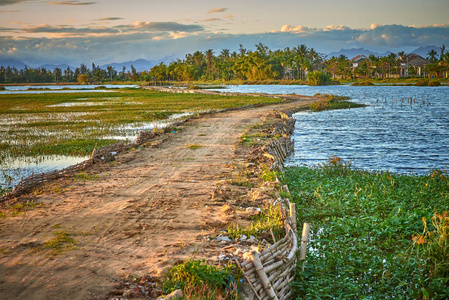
(362, 228)
(270, 217)
(194, 275)
(432, 253)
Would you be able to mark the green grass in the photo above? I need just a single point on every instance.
(363, 224)
(330, 102)
(61, 242)
(201, 281)
(194, 146)
(270, 217)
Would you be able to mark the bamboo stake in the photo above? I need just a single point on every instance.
(272, 235)
(293, 216)
(262, 275)
(304, 241)
(248, 280)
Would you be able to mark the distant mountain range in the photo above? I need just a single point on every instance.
(353, 52)
(146, 65)
(12, 63)
(139, 64)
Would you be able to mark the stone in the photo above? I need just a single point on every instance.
(253, 239)
(174, 295)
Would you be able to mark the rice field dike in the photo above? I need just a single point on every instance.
(375, 235)
(34, 126)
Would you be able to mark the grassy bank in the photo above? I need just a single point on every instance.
(367, 233)
(331, 102)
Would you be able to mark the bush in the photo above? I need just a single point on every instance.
(428, 82)
(318, 78)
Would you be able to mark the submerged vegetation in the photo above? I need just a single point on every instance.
(366, 226)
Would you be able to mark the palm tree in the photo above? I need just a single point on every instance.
(442, 50)
(432, 56)
(224, 54)
(110, 70)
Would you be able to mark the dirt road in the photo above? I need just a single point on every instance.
(136, 215)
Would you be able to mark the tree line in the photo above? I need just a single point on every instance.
(261, 64)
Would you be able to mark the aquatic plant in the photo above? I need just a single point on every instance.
(362, 228)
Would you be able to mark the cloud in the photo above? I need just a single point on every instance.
(216, 10)
(70, 3)
(403, 36)
(109, 19)
(211, 20)
(296, 29)
(178, 29)
(10, 2)
(156, 40)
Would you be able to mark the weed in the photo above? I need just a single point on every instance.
(269, 218)
(84, 177)
(243, 178)
(267, 174)
(20, 208)
(62, 241)
(200, 280)
(194, 146)
(431, 250)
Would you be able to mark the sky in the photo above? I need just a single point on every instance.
(106, 31)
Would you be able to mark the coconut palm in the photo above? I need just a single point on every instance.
(432, 56)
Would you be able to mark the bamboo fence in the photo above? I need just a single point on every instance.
(269, 274)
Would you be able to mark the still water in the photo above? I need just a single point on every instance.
(58, 89)
(403, 129)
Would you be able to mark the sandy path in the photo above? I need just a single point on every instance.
(141, 213)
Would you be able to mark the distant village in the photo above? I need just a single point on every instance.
(262, 64)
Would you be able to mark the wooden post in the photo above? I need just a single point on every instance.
(293, 216)
(262, 275)
(304, 241)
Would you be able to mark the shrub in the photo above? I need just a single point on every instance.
(318, 78)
